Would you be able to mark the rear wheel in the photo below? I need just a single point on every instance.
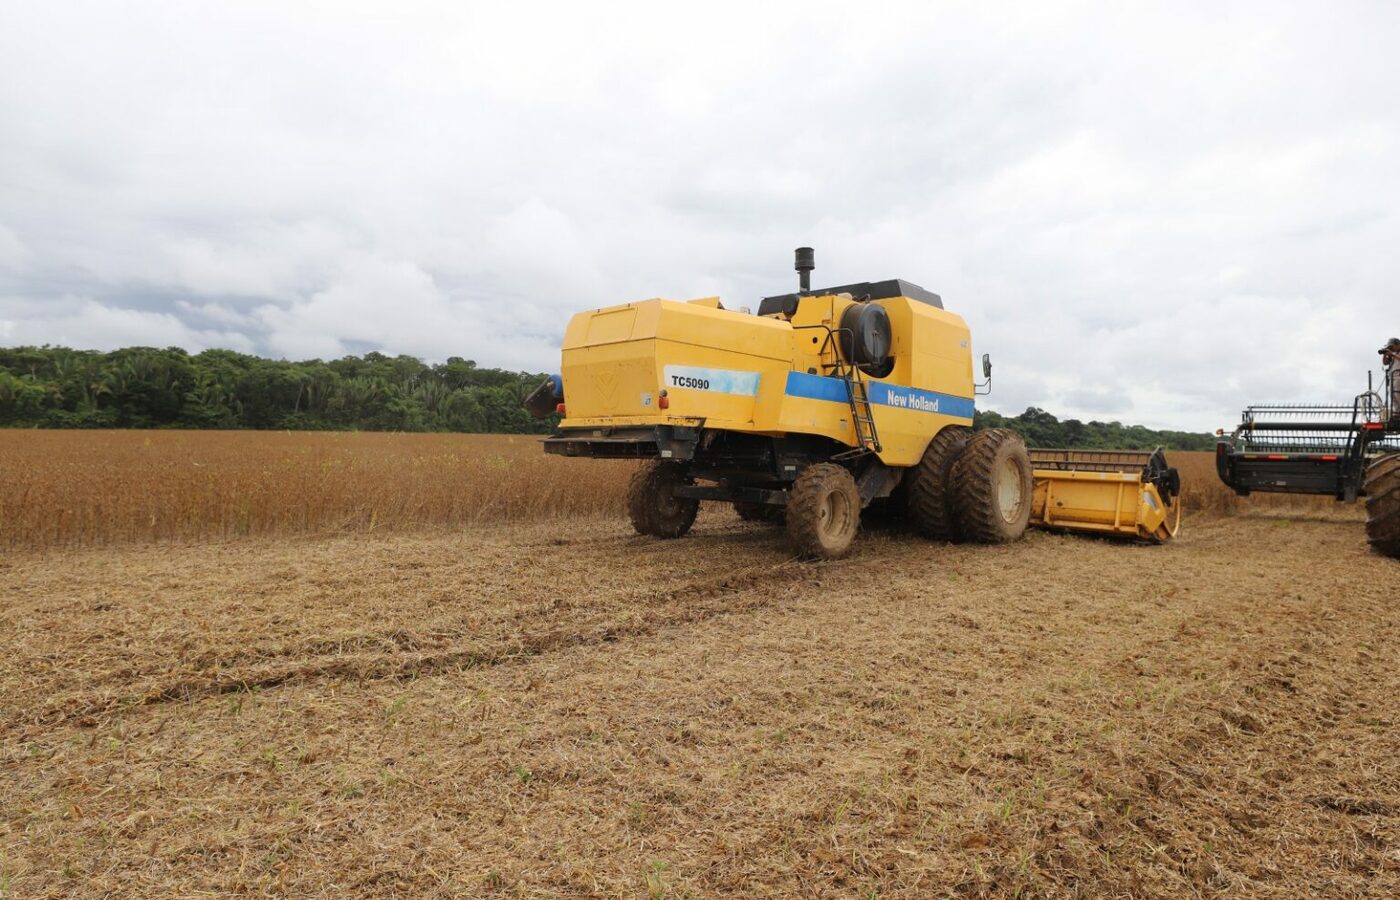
(992, 485)
(823, 512)
(652, 504)
(929, 491)
(1382, 488)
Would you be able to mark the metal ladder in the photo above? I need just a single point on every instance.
(862, 416)
(857, 397)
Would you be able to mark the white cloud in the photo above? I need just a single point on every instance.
(13, 252)
(1143, 214)
(85, 323)
(218, 312)
(371, 301)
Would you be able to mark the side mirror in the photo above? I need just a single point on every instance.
(986, 365)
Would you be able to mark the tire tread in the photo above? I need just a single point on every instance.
(1382, 486)
(804, 503)
(974, 487)
(646, 484)
(930, 496)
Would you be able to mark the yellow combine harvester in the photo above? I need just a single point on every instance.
(805, 414)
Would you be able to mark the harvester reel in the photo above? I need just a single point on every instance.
(993, 487)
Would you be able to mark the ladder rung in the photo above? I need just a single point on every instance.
(863, 416)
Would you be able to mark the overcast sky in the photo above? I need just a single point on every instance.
(1146, 214)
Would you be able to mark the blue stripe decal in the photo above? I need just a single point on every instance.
(921, 401)
(815, 387)
(823, 387)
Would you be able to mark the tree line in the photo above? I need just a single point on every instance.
(146, 387)
(1041, 429)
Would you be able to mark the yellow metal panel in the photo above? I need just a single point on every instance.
(1114, 503)
(718, 407)
(611, 325)
(932, 352)
(943, 364)
(615, 363)
(609, 380)
(714, 328)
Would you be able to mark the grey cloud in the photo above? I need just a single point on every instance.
(1144, 214)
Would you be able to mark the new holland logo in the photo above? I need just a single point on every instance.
(913, 401)
(605, 380)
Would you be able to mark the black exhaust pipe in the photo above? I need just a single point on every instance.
(806, 262)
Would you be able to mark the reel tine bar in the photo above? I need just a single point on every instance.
(1284, 428)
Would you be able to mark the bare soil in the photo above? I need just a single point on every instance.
(570, 709)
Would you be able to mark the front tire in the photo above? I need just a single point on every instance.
(992, 485)
(823, 512)
(1382, 487)
(652, 504)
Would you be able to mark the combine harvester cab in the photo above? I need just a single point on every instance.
(1130, 494)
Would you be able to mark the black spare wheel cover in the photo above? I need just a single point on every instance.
(865, 334)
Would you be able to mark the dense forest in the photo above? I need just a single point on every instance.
(144, 387)
(1041, 429)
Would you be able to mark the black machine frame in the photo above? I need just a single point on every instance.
(743, 468)
(1323, 449)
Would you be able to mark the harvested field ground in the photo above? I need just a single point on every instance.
(564, 708)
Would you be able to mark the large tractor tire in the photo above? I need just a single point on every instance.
(652, 504)
(823, 512)
(1382, 488)
(759, 512)
(928, 486)
(992, 486)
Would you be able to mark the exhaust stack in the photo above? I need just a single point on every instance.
(806, 262)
